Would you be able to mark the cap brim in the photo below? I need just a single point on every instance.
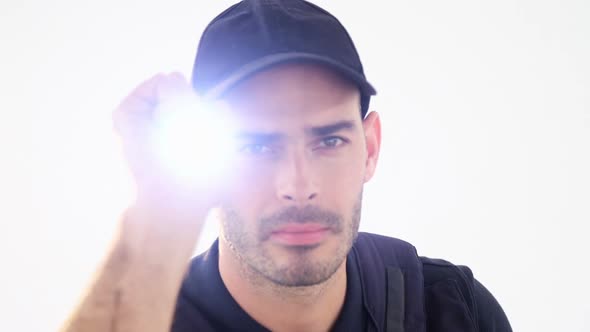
(275, 59)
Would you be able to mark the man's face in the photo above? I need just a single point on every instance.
(293, 208)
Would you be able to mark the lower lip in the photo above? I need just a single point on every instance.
(300, 238)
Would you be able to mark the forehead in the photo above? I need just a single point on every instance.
(293, 95)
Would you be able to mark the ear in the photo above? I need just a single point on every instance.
(372, 128)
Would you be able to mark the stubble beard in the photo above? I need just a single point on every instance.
(303, 269)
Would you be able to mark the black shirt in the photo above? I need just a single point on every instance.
(203, 291)
(389, 288)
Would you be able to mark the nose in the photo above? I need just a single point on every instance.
(295, 182)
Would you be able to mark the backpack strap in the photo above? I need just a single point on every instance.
(392, 281)
(395, 309)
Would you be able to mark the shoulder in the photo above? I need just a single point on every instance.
(436, 269)
(384, 245)
(445, 281)
(444, 284)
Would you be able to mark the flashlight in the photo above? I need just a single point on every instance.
(193, 138)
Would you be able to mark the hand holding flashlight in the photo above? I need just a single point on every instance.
(159, 124)
(136, 287)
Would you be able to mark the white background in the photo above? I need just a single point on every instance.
(486, 152)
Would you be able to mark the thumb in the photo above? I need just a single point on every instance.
(173, 85)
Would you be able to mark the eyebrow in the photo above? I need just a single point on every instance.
(331, 128)
(260, 137)
(316, 131)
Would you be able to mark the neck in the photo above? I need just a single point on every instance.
(280, 308)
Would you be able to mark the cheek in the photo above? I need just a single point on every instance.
(346, 166)
(247, 191)
(341, 179)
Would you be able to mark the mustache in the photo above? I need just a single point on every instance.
(300, 215)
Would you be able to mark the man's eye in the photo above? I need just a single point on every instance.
(331, 142)
(255, 149)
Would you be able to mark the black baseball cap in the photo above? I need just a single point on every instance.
(253, 35)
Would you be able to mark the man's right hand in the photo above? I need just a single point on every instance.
(134, 121)
(164, 203)
(136, 287)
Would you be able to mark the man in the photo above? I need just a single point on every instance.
(289, 256)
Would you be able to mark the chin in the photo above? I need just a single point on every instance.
(307, 265)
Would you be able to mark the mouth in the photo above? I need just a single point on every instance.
(300, 234)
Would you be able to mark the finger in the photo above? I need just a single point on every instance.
(132, 117)
(146, 92)
(136, 109)
(173, 85)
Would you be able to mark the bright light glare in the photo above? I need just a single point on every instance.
(193, 139)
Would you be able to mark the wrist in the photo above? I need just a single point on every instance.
(160, 232)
